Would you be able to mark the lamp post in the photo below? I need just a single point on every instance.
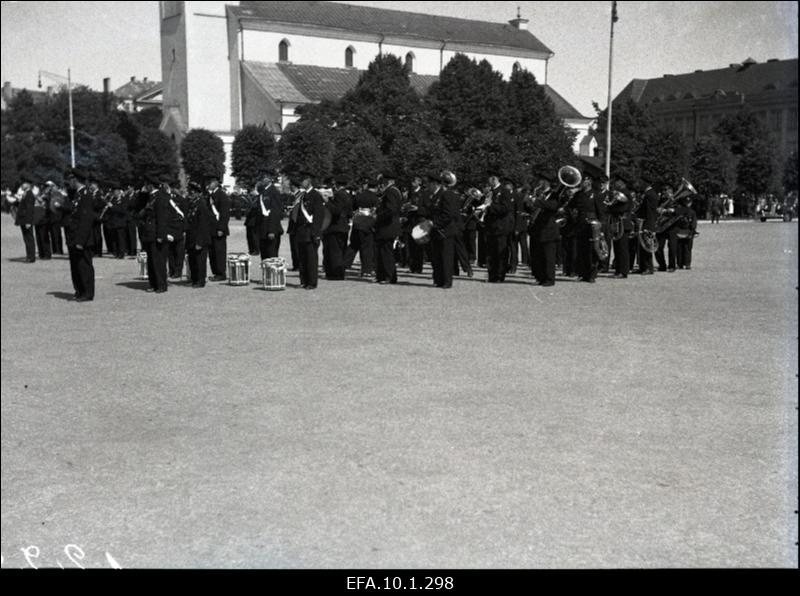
(69, 94)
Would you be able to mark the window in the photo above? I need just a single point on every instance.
(283, 51)
(348, 57)
(410, 61)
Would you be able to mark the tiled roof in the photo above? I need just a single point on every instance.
(379, 21)
(296, 83)
(749, 78)
(135, 89)
(564, 109)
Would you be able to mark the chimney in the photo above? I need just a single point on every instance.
(107, 85)
(133, 79)
(519, 22)
(145, 80)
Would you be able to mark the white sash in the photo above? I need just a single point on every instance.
(213, 207)
(309, 217)
(176, 208)
(264, 210)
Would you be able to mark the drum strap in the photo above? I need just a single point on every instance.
(177, 209)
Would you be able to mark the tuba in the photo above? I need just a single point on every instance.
(667, 218)
(569, 176)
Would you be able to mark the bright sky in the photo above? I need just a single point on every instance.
(121, 39)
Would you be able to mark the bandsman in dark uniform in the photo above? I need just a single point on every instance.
(471, 200)
(445, 215)
(685, 231)
(55, 197)
(131, 197)
(200, 228)
(24, 218)
(97, 226)
(252, 209)
(79, 216)
(362, 236)
(519, 240)
(545, 234)
(309, 230)
(648, 212)
(220, 206)
(588, 203)
(176, 233)
(413, 216)
(334, 239)
(117, 222)
(154, 218)
(41, 223)
(666, 237)
(621, 226)
(498, 225)
(387, 229)
(268, 208)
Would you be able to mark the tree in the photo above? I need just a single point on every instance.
(155, 156)
(790, 173)
(9, 175)
(486, 150)
(468, 96)
(105, 158)
(253, 151)
(754, 173)
(740, 129)
(306, 146)
(203, 155)
(544, 141)
(665, 157)
(632, 131)
(418, 148)
(381, 100)
(48, 162)
(356, 154)
(712, 167)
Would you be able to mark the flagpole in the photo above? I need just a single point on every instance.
(610, 66)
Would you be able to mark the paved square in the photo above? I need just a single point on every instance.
(648, 422)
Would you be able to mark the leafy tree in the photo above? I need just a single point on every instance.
(356, 154)
(665, 157)
(202, 154)
(468, 96)
(417, 149)
(47, 162)
(381, 101)
(105, 158)
(740, 130)
(9, 175)
(712, 167)
(306, 146)
(754, 173)
(253, 150)
(790, 173)
(544, 141)
(632, 131)
(155, 156)
(486, 150)
(148, 118)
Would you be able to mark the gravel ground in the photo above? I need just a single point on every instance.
(646, 423)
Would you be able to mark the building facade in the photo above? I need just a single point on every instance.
(230, 64)
(694, 103)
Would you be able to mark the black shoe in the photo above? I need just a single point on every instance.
(161, 290)
(548, 284)
(150, 290)
(620, 276)
(84, 299)
(646, 273)
(671, 270)
(687, 267)
(662, 269)
(470, 273)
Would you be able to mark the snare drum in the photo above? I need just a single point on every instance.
(141, 260)
(239, 269)
(273, 273)
(421, 233)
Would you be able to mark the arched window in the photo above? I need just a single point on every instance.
(348, 57)
(517, 66)
(410, 61)
(283, 51)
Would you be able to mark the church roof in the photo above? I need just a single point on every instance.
(299, 83)
(134, 89)
(379, 21)
(748, 78)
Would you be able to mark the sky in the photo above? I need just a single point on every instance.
(121, 39)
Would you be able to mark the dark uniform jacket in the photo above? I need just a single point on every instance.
(201, 222)
(270, 198)
(622, 211)
(222, 203)
(176, 222)
(25, 209)
(387, 220)
(545, 228)
(366, 199)
(154, 217)
(310, 231)
(499, 219)
(117, 214)
(648, 210)
(446, 213)
(79, 218)
(341, 208)
(588, 206)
